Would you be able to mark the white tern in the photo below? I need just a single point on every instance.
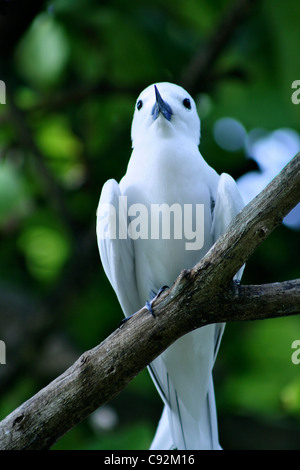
(166, 168)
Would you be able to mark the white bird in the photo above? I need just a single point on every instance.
(166, 167)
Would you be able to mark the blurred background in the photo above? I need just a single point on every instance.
(73, 71)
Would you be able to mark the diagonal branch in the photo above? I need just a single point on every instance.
(198, 297)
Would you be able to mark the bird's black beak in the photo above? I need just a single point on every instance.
(161, 106)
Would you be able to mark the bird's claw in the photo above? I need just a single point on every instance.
(154, 297)
(148, 305)
(125, 320)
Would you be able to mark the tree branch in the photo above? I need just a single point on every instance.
(198, 297)
(258, 302)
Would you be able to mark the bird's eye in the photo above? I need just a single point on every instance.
(139, 105)
(187, 103)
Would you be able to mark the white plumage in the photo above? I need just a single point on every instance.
(166, 167)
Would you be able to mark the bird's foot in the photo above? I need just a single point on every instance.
(148, 305)
(125, 320)
(154, 297)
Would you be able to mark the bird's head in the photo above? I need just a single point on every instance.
(167, 110)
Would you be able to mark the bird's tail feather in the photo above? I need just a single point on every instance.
(177, 429)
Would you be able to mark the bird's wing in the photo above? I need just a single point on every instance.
(177, 427)
(228, 204)
(117, 252)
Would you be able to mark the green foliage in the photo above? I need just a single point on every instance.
(45, 251)
(14, 197)
(43, 52)
(74, 76)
